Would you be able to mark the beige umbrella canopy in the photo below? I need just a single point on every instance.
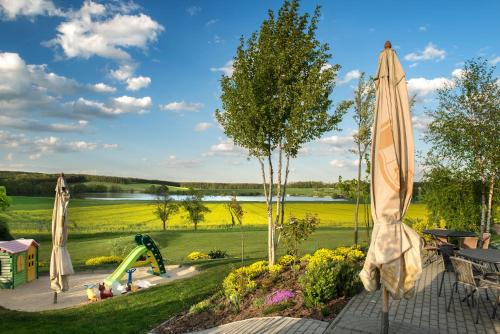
(393, 258)
(60, 261)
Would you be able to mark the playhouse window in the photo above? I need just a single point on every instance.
(20, 263)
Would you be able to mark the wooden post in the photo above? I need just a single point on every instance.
(384, 324)
(55, 297)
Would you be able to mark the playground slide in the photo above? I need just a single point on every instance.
(128, 262)
(145, 246)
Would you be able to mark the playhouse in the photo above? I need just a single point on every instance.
(18, 262)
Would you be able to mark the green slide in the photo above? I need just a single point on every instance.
(125, 265)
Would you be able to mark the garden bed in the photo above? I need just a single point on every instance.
(278, 290)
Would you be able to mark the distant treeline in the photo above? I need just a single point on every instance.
(41, 184)
(226, 186)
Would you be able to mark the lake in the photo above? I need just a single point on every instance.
(150, 197)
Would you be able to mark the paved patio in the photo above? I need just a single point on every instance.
(425, 313)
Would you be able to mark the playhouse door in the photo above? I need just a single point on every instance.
(31, 264)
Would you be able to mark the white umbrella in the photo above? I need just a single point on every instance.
(60, 261)
(393, 258)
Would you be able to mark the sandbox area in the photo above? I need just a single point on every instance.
(37, 295)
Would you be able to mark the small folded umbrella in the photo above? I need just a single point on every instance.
(393, 258)
(60, 261)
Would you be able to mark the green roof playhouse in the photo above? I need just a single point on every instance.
(18, 262)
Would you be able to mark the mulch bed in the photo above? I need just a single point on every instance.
(253, 305)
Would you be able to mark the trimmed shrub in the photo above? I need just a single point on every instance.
(195, 256)
(287, 260)
(241, 281)
(95, 261)
(200, 307)
(217, 254)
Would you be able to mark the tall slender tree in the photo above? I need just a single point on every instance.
(364, 99)
(465, 130)
(165, 205)
(277, 99)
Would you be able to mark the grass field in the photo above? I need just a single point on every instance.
(33, 215)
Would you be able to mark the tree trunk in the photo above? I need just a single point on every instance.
(490, 201)
(270, 222)
(358, 194)
(287, 171)
(483, 203)
(164, 225)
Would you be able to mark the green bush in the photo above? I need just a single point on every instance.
(241, 281)
(4, 229)
(200, 307)
(95, 261)
(287, 260)
(329, 280)
(195, 256)
(217, 254)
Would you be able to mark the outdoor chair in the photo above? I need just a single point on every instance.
(464, 276)
(446, 252)
(430, 253)
(485, 242)
(469, 243)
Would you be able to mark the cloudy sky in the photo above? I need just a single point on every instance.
(130, 88)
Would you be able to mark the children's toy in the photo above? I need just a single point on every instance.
(129, 281)
(104, 292)
(145, 246)
(91, 296)
(18, 262)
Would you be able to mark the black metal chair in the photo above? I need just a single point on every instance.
(446, 250)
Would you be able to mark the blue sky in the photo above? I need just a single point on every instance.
(130, 88)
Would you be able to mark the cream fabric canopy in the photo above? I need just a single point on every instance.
(393, 258)
(60, 261)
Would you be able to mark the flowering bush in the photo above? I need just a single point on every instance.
(241, 281)
(195, 256)
(324, 255)
(141, 263)
(287, 260)
(305, 259)
(95, 261)
(274, 270)
(279, 296)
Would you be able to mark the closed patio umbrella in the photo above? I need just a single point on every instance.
(60, 261)
(393, 258)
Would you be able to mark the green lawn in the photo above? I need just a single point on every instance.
(134, 313)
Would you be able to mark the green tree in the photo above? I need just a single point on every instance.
(193, 204)
(277, 99)
(165, 205)
(364, 104)
(237, 213)
(4, 204)
(465, 130)
(295, 231)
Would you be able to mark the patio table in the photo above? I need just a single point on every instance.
(490, 256)
(449, 233)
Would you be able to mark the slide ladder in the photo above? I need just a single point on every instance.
(145, 246)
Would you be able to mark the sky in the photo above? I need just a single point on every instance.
(130, 88)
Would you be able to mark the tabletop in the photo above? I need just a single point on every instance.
(483, 255)
(450, 233)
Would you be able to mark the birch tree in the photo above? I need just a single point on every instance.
(277, 99)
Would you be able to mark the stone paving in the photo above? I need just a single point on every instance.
(425, 313)
(270, 325)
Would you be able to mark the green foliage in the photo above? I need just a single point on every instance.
(241, 281)
(121, 247)
(95, 261)
(287, 260)
(295, 231)
(217, 254)
(4, 229)
(200, 307)
(195, 208)
(278, 307)
(331, 274)
(165, 205)
(452, 200)
(4, 199)
(195, 256)
(236, 211)
(419, 225)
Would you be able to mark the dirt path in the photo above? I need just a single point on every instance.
(37, 296)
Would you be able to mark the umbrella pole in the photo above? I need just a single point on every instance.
(384, 329)
(55, 297)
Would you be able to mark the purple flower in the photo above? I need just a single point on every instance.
(279, 296)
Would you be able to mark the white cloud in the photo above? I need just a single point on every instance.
(202, 126)
(421, 122)
(495, 60)
(457, 73)
(338, 163)
(349, 76)
(339, 141)
(9, 157)
(193, 10)
(226, 147)
(430, 52)
(103, 88)
(10, 9)
(96, 30)
(109, 146)
(173, 162)
(227, 69)
(84, 108)
(28, 124)
(423, 87)
(211, 22)
(123, 72)
(182, 106)
(138, 83)
(413, 65)
(127, 104)
(422, 28)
